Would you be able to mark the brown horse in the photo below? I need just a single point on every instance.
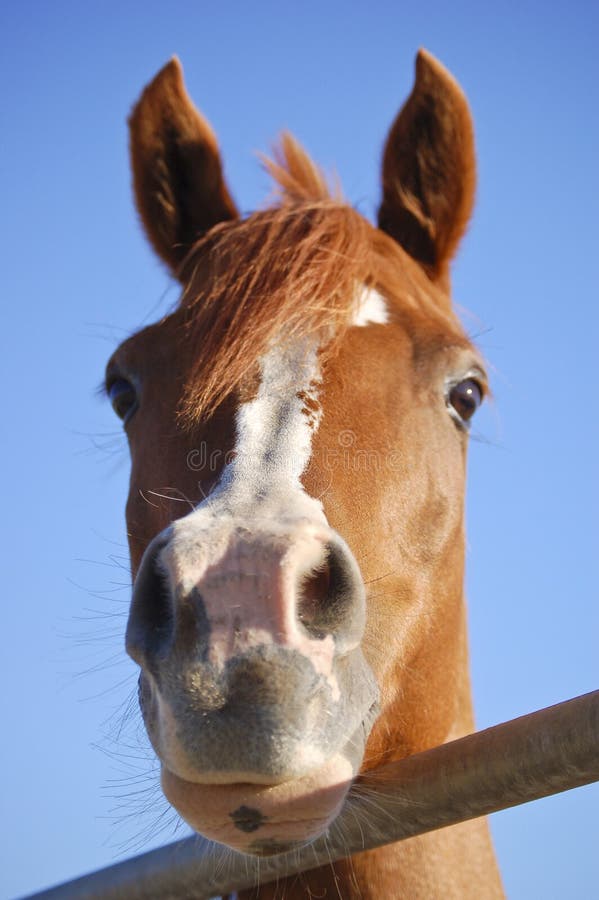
(298, 429)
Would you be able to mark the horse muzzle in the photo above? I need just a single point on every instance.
(253, 686)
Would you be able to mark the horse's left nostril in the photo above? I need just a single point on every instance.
(313, 598)
(330, 596)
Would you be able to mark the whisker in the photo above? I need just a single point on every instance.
(149, 502)
(181, 499)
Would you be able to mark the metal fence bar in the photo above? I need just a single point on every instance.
(534, 756)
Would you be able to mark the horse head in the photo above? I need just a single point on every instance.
(298, 429)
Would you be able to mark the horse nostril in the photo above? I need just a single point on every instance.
(313, 595)
(151, 620)
(327, 595)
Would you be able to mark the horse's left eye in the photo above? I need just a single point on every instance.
(465, 397)
(123, 398)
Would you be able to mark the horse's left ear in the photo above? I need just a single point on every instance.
(429, 170)
(178, 180)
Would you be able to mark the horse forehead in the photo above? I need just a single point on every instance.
(274, 428)
(164, 355)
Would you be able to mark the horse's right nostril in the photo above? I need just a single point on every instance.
(151, 624)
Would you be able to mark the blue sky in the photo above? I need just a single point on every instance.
(78, 276)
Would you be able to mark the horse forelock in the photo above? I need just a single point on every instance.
(293, 269)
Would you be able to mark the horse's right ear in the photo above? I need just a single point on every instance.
(178, 180)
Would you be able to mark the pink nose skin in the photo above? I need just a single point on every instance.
(248, 640)
(301, 591)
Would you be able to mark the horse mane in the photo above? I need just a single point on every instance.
(285, 272)
(296, 177)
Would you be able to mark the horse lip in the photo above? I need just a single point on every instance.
(263, 819)
(268, 848)
(220, 779)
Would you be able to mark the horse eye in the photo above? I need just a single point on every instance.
(123, 398)
(465, 398)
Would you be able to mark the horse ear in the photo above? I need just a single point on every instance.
(429, 170)
(178, 180)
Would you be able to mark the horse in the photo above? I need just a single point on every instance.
(298, 427)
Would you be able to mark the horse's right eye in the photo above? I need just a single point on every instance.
(123, 398)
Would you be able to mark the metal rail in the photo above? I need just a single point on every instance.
(544, 753)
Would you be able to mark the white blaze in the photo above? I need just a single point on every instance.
(370, 308)
(274, 431)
